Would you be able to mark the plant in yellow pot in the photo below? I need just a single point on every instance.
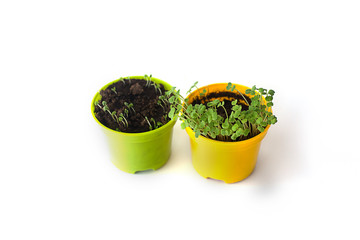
(226, 124)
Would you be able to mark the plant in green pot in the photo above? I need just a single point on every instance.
(226, 123)
(133, 114)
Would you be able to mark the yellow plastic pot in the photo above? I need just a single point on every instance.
(227, 161)
(134, 152)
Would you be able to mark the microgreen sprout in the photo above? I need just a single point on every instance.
(122, 80)
(160, 104)
(104, 107)
(157, 87)
(130, 106)
(114, 90)
(121, 118)
(191, 88)
(155, 124)
(147, 120)
(148, 80)
(164, 99)
(232, 87)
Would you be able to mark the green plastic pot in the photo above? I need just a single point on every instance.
(134, 152)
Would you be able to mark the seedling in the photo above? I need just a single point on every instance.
(121, 118)
(148, 80)
(104, 106)
(159, 103)
(122, 80)
(130, 106)
(159, 124)
(232, 87)
(114, 90)
(157, 87)
(166, 117)
(156, 124)
(147, 120)
(238, 124)
(164, 99)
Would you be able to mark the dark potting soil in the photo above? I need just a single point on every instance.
(226, 97)
(144, 99)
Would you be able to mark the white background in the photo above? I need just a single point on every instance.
(56, 178)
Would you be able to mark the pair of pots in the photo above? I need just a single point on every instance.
(227, 161)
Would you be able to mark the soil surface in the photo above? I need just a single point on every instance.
(226, 97)
(145, 104)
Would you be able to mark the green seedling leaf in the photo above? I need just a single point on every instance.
(261, 129)
(202, 109)
(274, 120)
(193, 114)
(237, 113)
(239, 132)
(206, 130)
(234, 136)
(228, 87)
(268, 98)
(226, 124)
(246, 132)
(214, 115)
(171, 113)
(197, 133)
(217, 131)
(235, 127)
(189, 109)
(172, 99)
